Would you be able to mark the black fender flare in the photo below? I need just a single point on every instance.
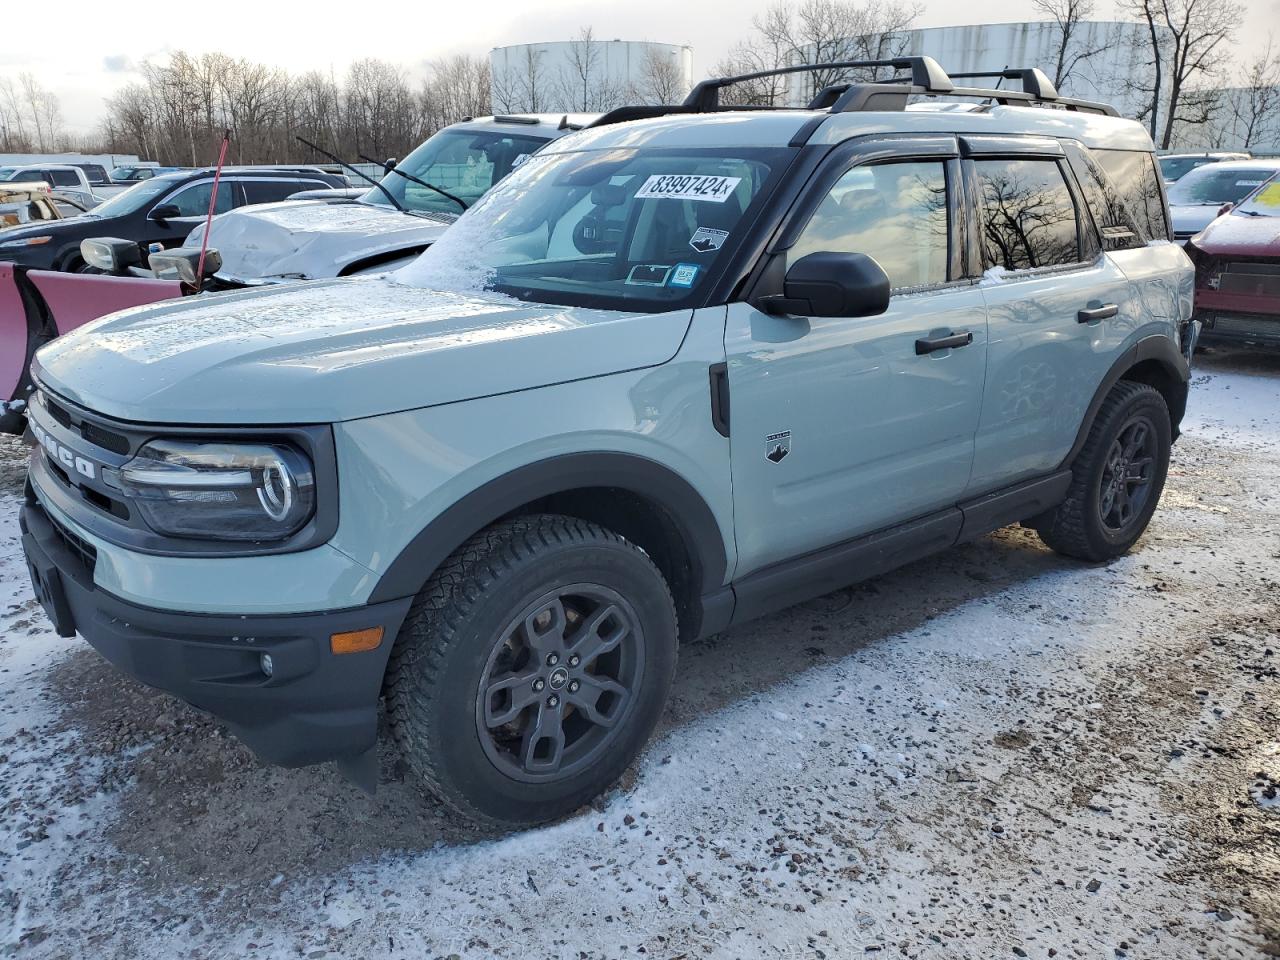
(1157, 347)
(493, 500)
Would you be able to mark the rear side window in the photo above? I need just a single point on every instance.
(895, 213)
(65, 178)
(1135, 183)
(1027, 215)
(95, 173)
(269, 191)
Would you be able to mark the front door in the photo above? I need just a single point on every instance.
(844, 426)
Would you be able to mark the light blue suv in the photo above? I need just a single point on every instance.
(680, 369)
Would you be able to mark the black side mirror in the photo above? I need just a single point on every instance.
(110, 254)
(166, 211)
(390, 164)
(182, 263)
(832, 285)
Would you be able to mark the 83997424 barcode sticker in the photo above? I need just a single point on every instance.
(672, 186)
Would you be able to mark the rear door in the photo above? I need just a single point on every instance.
(844, 426)
(192, 201)
(1058, 310)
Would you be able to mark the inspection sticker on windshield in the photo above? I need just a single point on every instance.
(670, 186)
(683, 275)
(706, 239)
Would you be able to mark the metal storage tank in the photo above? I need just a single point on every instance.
(587, 75)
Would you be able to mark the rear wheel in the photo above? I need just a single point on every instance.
(1118, 477)
(532, 669)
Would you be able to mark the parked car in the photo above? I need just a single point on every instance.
(682, 369)
(26, 202)
(1237, 260)
(1200, 196)
(388, 224)
(1174, 166)
(131, 175)
(67, 180)
(162, 209)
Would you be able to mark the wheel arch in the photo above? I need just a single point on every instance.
(1154, 360)
(642, 500)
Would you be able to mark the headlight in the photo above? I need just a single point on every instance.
(26, 242)
(221, 491)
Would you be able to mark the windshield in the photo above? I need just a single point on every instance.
(1216, 184)
(621, 229)
(1264, 203)
(7, 172)
(465, 163)
(132, 199)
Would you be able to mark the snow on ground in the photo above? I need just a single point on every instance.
(991, 753)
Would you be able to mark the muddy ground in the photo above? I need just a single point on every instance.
(995, 752)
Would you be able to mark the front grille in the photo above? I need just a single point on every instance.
(82, 548)
(1250, 278)
(106, 439)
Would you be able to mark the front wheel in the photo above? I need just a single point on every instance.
(532, 668)
(1117, 478)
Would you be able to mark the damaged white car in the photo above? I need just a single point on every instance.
(391, 223)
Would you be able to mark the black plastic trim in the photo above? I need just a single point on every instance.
(719, 375)
(1003, 507)
(315, 706)
(490, 502)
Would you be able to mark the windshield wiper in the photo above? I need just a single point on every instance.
(422, 183)
(359, 173)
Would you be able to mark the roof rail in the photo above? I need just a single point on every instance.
(925, 72)
(927, 78)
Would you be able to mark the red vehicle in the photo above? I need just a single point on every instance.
(38, 305)
(1237, 260)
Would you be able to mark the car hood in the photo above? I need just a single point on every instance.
(311, 239)
(1237, 235)
(1191, 218)
(338, 350)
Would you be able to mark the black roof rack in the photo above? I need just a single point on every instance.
(926, 78)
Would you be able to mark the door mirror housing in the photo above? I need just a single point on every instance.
(110, 254)
(389, 164)
(182, 263)
(832, 285)
(166, 211)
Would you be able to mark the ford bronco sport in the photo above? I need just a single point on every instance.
(680, 369)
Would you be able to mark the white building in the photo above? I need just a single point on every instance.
(588, 75)
(1101, 56)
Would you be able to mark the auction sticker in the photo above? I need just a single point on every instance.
(669, 186)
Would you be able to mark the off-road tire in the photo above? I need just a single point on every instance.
(456, 624)
(1075, 528)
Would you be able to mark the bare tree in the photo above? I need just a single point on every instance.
(1071, 50)
(525, 88)
(661, 78)
(584, 82)
(1188, 40)
(758, 54)
(1253, 108)
(831, 31)
(13, 118)
(458, 87)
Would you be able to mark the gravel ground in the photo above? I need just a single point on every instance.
(992, 753)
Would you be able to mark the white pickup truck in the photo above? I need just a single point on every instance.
(68, 181)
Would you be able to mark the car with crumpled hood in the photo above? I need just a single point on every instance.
(1205, 193)
(391, 222)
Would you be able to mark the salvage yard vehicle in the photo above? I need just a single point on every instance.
(392, 221)
(1175, 166)
(681, 369)
(1206, 193)
(27, 202)
(161, 210)
(65, 179)
(1237, 259)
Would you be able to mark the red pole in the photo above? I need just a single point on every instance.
(213, 201)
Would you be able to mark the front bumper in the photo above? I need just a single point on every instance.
(315, 706)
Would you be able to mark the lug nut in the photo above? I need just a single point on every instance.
(539, 684)
(573, 686)
(553, 659)
(574, 660)
(553, 701)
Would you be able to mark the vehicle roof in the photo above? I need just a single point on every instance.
(777, 128)
(545, 123)
(1264, 163)
(43, 166)
(256, 171)
(1205, 153)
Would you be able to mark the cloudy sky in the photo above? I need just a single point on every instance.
(94, 51)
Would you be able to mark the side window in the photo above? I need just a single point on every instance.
(1027, 216)
(894, 212)
(269, 191)
(65, 178)
(1136, 181)
(194, 200)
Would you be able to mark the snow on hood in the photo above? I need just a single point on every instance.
(1239, 235)
(311, 239)
(339, 350)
